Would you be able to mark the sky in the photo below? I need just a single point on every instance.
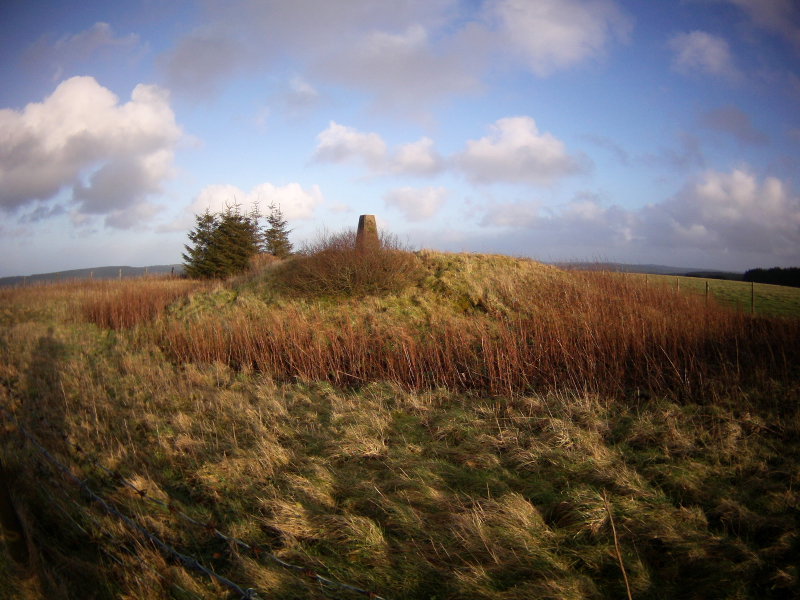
(604, 130)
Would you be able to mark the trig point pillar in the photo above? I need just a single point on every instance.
(367, 234)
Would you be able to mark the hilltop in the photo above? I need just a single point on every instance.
(429, 426)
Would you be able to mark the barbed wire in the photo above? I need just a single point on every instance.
(116, 542)
(209, 527)
(188, 561)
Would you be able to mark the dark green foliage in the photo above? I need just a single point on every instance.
(775, 276)
(276, 238)
(222, 243)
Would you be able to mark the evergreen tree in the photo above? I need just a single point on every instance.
(276, 238)
(198, 263)
(222, 243)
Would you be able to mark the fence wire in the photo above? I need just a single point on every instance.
(256, 551)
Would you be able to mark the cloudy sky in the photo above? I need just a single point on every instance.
(641, 132)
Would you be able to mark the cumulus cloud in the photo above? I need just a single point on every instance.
(417, 204)
(728, 211)
(515, 152)
(341, 144)
(718, 212)
(556, 34)
(731, 120)
(113, 156)
(705, 53)
(296, 202)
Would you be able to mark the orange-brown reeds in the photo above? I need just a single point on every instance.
(594, 331)
(121, 304)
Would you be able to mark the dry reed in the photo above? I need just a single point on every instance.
(593, 331)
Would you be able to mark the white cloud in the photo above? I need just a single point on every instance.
(702, 52)
(515, 152)
(417, 158)
(718, 213)
(729, 211)
(341, 144)
(556, 34)
(113, 156)
(295, 202)
(417, 204)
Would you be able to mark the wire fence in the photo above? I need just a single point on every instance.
(172, 509)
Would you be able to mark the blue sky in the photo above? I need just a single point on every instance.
(640, 132)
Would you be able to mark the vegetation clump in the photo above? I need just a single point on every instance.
(332, 265)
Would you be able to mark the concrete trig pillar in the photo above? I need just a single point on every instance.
(367, 234)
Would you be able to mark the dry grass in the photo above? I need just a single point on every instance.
(331, 265)
(420, 490)
(123, 304)
(520, 332)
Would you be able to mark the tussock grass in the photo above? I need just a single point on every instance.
(686, 415)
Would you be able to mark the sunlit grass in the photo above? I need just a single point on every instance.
(462, 451)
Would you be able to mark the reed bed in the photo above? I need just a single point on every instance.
(600, 332)
(123, 304)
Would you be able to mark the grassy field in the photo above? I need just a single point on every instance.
(453, 433)
(769, 299)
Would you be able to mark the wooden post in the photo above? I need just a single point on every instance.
(120, 273)
(645, 278)
(706, 291)
(677, 285)
(145, 271)
(91, 275)
(752, 297)
(25, 281)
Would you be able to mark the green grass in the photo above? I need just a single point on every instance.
(773, 300)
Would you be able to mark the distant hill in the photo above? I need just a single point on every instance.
(96, 273)
(650, 269)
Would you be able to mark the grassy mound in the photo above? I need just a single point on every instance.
(453, 437)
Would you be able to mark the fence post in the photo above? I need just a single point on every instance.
(752, 297)
(706, 291)
(677, 285)
(120, 273)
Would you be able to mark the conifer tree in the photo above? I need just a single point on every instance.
(276, 237)
(198, 262)
(222, 243)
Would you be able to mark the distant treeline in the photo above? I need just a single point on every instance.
(724, 275)
(775, 275)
